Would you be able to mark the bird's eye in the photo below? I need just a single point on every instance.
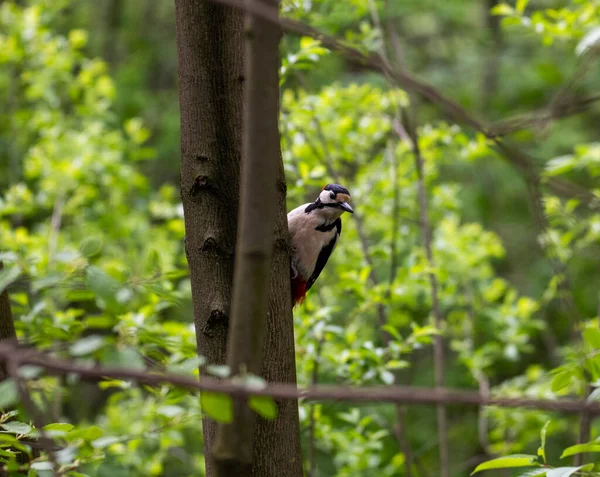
(332, 195)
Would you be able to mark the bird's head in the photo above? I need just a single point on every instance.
(335, 198)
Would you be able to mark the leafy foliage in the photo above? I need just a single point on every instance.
(92, 235)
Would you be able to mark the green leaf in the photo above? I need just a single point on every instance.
(16, 427)
(219, 370)
(510, 461)
(188, 366)
(592, 337)
(103, 285)
(521, 5)
(105, 441)
(263, 405)
(560, 165)
(567, 471)
(90, 246)
(8, 393)
(59, 426)
(170, 410)
(503, 9)
(45, 465)
(126, 358)
(219, 406)
(30, 372)
(153, 264)
(87, 345)
(307, 42)
(561, 380)
(580, 449)
(89, 434)
(8, 276)
(533, 473)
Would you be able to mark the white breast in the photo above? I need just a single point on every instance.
(306, 241)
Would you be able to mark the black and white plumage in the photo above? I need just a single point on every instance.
(314, 231)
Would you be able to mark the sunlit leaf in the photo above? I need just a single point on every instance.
(511, 461)
(263, 405)
(503, 9)
(59, 426)
(561, 380)
(581, 449)
(219, 406)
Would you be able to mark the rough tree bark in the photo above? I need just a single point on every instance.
(7, 325)
(210, 40)
(211, 67)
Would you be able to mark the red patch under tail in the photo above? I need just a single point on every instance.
(298, 290)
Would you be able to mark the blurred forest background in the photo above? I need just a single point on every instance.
(91, 228)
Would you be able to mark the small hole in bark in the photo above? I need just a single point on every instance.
(200, 182)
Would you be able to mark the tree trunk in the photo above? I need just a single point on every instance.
(7, 324)
(210, 41)
(210, 55)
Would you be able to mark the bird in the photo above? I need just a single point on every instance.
(314, 229)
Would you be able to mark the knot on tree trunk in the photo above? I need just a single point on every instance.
(217, 319)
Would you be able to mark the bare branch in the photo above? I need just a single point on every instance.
(393, 394)
(541, 117)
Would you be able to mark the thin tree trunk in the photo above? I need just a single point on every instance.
(211, 68)
(211, 77)
(233, 450)
(7, 324)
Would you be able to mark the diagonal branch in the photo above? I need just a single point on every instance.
(404, 79)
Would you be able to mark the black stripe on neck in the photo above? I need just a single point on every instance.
(317, 204)
(329, 227)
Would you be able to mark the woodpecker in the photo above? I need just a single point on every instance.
(314, 231)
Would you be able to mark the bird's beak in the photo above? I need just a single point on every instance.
(346, 206)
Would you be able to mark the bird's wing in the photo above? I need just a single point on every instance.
(324, 256)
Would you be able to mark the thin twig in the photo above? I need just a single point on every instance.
(543, 116)
(438, 346)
